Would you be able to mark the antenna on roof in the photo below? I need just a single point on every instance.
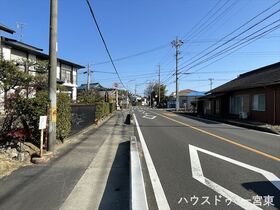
(20, 26)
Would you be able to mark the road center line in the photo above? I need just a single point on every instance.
(161, 200)
(222, 138)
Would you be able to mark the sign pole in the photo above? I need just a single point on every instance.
(41, 142)
(42, 127)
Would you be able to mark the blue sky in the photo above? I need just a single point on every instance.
(131, 26)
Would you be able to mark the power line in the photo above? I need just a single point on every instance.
(216, 72)
(256, 37)
(218, 53)
(104, 43)
(171, 73)
(204, 80)
(139, 76)
(199, 22)
(235, 30)
(133, 55)
(193, 30)
(200, 26)
(216, 18)
(217, 41)
(233, 46)
(103, 72)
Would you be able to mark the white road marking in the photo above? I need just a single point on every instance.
(138, 192)
(150, 117)
(161, 200)
(197, 174)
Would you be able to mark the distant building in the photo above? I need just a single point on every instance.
(102, 91)
(187, 99)
(254, 95)
(17, 51)
(93, 86)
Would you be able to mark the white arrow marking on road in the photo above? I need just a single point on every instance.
(197, 174)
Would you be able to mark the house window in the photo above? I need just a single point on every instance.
(217, 107)
(74, 76)
(258, 103)
(207, 107)
(66, 73)
(236, 104)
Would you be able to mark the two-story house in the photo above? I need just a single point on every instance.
(66, 70)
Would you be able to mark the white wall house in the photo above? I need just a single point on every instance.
(66, 71)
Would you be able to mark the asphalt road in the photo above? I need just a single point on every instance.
(203, 164)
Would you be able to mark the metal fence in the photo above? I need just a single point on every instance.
(82, 117)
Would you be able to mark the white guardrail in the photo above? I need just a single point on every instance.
(138, 198)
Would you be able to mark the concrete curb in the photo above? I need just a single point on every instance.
(138, 198)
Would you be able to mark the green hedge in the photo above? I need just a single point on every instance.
(112, 107)
(29, 110)
(102, 109)
(63, 124)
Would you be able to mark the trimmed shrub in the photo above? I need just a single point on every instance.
(24, 113)
(106, 109)
(112, 107)
(102, 109)
(63, 124)
(89, 97)
(99, 110)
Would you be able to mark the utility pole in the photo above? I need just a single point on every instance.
(88, 77)
(177, 44)
(1, 48)
(151, 100)
(52, 75)
(151, 94)
(159, 85)
(89, 74)
(116, 86)
(211, 82)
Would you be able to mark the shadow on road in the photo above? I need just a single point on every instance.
(117, 191)
(264, 188)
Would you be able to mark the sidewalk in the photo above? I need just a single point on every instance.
(99, 156)
(241, 123)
